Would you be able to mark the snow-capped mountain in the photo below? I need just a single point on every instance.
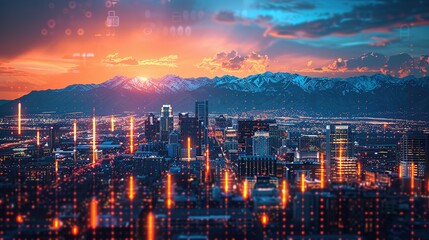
(266, 82)
(355, 95)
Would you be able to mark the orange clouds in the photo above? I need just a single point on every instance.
(167, 61)
(234, 62)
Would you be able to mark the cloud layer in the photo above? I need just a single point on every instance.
(399, 65)
(116, 60)
(234, 62)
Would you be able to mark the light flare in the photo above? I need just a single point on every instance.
(169, 190)
(19, 118)
(131, 193)
(322, 170)
(38, 137)
(93, 218)
(112, 123)
(131, 135)
(245, 189)
(302, 182)
(150, 227)
(226, 182)
(189, 149)
(93, 141)
(74, 131)
(284, 192)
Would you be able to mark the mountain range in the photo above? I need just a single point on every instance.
(375, 95)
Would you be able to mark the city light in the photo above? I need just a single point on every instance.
(74, 131)
(189, 149)
(207, 161)
(412, 177)
(340, 161)
(245, 189)
(75, 230)
(322, 171)
(284, 192)
(264, 219)
(19, 118)
(94, 139)
(38, 138)
(56, 223)
(400, 171)
(302, 182)
(19, 219)
(226, 181)
(112, 123)
(93, 217)
(131, 188)
(56, 165)
(150, 226)
(131, 135)
(169, 191)
(359, 170)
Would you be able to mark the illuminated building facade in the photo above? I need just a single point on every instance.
(341, 165)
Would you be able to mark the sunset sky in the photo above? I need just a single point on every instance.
(55, 43)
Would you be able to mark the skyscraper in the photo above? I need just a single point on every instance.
(415, 149)
(166, 122)
(245, 131)
(189, 128)
(151, 128)
(202, 114)
(341, 165)
(260, 143)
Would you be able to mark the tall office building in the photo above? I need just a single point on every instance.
(341, 165)
(190, 128)
(202, 114)
(414, 150)
(260, 144)
(166, 122)
(151, 128)
(245, 131)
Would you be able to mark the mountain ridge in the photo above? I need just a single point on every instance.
(265, 91)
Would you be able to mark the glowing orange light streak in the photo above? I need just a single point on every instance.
(208, 161)
(302, 182)
(264, 219)
(359, 170)
(56, 165)
(131, 135)
(56, 224)
(74, 131)
(93, 141)
(412, 176)
(150, 227)
(340, 163)
(245, 189)
(226, 182)
(38, 138)
(93, 218)
(284, 192)
(131, 194)
(400, 171)
(169, 190)
(19, 118)
(322, 170)
(19, 218)
(189, 149)
(112, 123)
(75, 230)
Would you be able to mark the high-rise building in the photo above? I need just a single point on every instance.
(260, 144)
(245, 131)
(341, 165)
(189, 128)
(202, 114)
(166, 122)
(221, 122)
(151, 128)
(414, 151)
(250, 166)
